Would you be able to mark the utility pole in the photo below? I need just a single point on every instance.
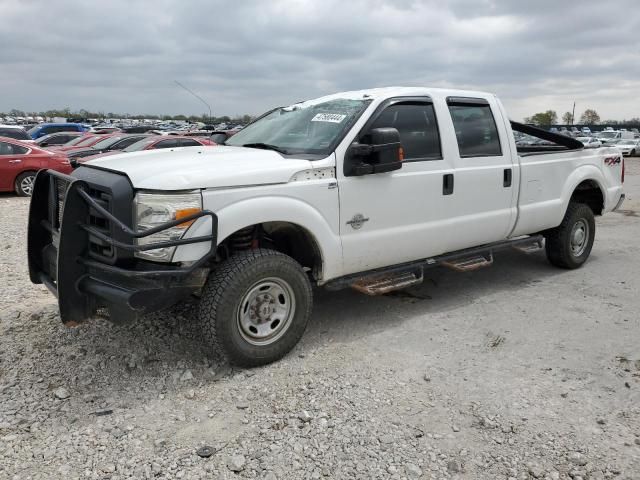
(197, 96)
(573, 113)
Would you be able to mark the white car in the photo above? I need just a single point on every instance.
(630, 146)
(590, 142)
(364, 189)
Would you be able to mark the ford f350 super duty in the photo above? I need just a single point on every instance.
(362, 189)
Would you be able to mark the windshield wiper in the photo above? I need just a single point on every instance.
(266, 146)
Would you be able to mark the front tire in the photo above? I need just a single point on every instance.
(24, 184)
(569, 245)
(255, 307)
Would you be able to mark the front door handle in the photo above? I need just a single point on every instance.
(447, 184)
(506, 178)
(15, 161)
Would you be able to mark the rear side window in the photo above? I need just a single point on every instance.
(190, 143)
(416, 124)
(476, 129)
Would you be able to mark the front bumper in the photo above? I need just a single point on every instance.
(87, 282)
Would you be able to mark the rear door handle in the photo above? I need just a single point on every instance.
(447, 184)
(15, 161)
(506, 178)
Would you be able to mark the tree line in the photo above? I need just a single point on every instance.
(588, 117)
(82, 113)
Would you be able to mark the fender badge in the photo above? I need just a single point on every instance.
(357, 221)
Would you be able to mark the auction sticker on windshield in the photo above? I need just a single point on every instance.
(329, 117)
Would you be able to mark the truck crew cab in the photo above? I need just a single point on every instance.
(362, 189)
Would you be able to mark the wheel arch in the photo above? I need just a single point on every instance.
(585, 185)
(289, 217)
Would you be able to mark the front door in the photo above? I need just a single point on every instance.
(403, 215)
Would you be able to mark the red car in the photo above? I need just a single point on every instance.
(19, 163)
(155, 142)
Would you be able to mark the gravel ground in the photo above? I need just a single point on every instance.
(516, 371)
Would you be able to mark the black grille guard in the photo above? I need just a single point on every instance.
(59, 257)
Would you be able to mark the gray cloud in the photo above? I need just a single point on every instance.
(247, 56)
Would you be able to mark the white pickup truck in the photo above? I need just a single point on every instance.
(362, 189)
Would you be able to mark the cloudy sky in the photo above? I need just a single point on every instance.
(249, 55)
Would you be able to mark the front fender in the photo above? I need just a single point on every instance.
(272, 208)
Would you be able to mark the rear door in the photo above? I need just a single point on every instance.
(485, 185)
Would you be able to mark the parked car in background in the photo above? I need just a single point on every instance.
(154, 143)
(629, 146)
(47, 128)
(108, 144)
(57, 139)
(586, 131)
(83, 141)
(609, 135)
(15, 131)
(20, 161)
(590, 142)
(104, 130)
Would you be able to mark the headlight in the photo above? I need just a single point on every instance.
(153, 209)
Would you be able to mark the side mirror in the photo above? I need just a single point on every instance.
(379, 152)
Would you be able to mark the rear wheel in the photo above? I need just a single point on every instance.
(255, 307)
(24, 184)
(569, 245)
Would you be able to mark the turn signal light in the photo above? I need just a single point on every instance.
(186, 212)
(401, 154)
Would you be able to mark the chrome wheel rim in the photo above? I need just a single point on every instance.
(26, 185)
(579, 237)
(265, 312)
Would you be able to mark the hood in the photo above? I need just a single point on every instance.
(202, 167)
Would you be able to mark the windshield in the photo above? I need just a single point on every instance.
(79, 141)
(307, 128)
(140, 145)
(107, 142)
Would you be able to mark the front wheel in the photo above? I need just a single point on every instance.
(255, 307)
(24, 184)
(569, 245)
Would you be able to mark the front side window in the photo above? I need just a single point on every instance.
(304, 128)
(476, 130)
(416, 124)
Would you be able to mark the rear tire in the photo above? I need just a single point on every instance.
(24, 184)
(255, 307)
(569, 245)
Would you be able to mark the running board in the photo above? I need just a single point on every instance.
(387, 279)
(467, 264)
(385, 283)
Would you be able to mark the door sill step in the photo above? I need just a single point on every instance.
(381, 284)
(469, 264)
(530, 247)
